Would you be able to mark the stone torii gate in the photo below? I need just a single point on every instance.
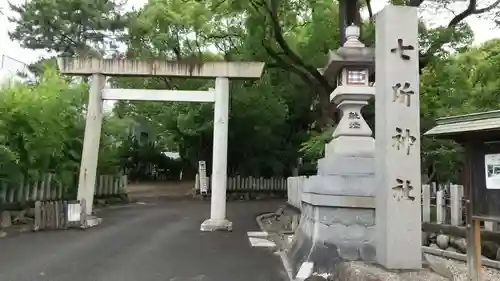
(98, 69)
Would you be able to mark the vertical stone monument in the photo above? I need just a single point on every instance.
(397, 139)
(338, 205)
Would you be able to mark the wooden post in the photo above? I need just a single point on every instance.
(27, 189)
(38, 216)
(41, 190)
(440, 207)
(426, 203)
(43, 215)
(3, 192)
(65, 214)
(474, 251)
(34, 191)
(456, 204)
(18, 197)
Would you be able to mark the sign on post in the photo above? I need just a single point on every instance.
(202, 170)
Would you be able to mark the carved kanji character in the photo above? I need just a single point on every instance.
(403, 140)
(403, 189)
(401, 93)
(401, 48)
(354, 125)
(354, 115)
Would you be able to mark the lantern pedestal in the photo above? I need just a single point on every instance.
(338, 204)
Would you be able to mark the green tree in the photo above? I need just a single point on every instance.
(461, 83)
(68, 27)
(39, 125)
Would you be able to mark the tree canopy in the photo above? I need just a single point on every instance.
(286, 115)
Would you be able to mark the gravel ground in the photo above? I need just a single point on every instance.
(459, 269)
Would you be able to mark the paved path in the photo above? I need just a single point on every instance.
(159, 241)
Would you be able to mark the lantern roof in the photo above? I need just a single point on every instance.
(352, 54)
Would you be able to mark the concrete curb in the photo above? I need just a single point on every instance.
(281, 254)
(262, 217)
(458, 256)
(268, 215)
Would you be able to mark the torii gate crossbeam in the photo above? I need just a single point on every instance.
(221, 71)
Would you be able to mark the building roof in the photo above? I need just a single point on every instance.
(461, 124)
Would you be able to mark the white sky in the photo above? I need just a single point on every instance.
(483, 29)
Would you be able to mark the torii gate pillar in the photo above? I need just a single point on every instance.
(221, 71)
(218, 219)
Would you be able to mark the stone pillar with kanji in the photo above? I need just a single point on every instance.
(397, 139)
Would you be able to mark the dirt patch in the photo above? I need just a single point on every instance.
(178, 189)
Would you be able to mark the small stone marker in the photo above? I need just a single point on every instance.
(202, 166)
(397, 140)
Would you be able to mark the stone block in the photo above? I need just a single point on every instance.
(350, 146)
(304, 248)
(216, 225)
(346, 165)
(368, 252)
(348, 250)
(366, 217)
(339, 201)
(334, 234)
(355, 232)
(344, 185)
(443, 241)
(346, 216)
(307, 210)
(371, 234)
(5, 219)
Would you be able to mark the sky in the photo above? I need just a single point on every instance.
(16, 57)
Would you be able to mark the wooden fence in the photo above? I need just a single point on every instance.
(251, 184)
(443, 204)
(47, 188)
(294, 192)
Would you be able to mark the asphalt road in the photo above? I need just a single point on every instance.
(159, 241)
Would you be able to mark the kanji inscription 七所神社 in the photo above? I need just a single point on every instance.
(397, 138)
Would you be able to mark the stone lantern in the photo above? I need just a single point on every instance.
(338, 206)
(352, 64)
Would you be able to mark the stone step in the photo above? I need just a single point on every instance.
(346, 165)
(342, 185)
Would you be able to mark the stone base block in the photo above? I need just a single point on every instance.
(5, 219)
(92, 221)
(304, 249)
(351, 146)
(346, 165)
(341, 185)
(216, 225)
(327, 236)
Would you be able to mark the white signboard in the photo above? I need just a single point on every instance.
(74, 212)
(203, 177)
(492, 171)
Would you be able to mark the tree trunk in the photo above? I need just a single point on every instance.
(326, 115)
